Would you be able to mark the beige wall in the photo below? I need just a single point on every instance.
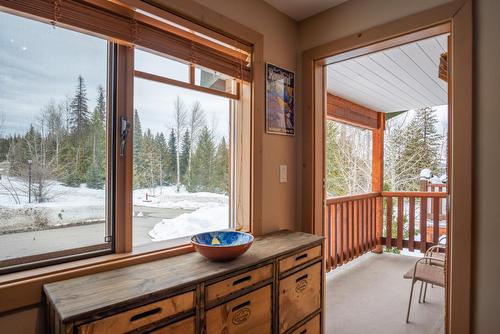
(486, 257)
(278, 200)
(354, 16)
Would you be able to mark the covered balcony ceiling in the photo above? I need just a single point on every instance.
(396, 79)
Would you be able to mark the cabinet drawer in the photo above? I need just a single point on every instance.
(299, 258)
(250, 313)
(299, 296)
(238, 282)
(140, 316)
(186, 326)
(311, 327)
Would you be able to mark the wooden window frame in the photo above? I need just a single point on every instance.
(235, 104)
(23, 289)
(82, 252)
(454, 17)
(188, 85)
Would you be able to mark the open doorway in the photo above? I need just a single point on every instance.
(454, 18)
(386, 184)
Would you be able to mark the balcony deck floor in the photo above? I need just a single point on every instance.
(369, 295)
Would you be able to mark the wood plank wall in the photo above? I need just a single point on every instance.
(345, 111)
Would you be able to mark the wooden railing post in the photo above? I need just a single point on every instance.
(378, 178)
(351, 226)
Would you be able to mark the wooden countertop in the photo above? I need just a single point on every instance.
(101, 292)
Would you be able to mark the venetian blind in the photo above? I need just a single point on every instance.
(119, 23)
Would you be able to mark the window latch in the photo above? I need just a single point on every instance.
(125, 125)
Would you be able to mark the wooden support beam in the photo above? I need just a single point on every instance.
(345, 111)
(378, 178)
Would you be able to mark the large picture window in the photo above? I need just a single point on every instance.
(182, 152)
(53, 160)
(117, 133)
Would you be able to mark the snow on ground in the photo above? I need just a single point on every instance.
(168, 197)
(67, 205)
(208, 218)
(81, 205)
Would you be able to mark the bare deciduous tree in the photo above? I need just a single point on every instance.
(196, 123)
(348, 159)
(180, 120)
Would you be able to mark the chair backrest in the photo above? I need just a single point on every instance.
(442, 240)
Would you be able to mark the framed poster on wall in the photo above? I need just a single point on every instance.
(280, 100)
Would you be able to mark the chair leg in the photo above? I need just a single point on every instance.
(409, 302)
(425, 291)
(420, 294)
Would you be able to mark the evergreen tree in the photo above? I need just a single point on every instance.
(79, 117)
(202, 177)
(95, 175)
(184, 157)
(101, 103)
(222, 167)
(95, 179)
(172, 158)
(137, 137)
(162, 151)
(422, 144)
(79, 121)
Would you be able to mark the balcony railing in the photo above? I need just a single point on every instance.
(351, 227)
(403, 210)
(398, 220)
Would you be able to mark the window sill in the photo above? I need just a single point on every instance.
(24, 288)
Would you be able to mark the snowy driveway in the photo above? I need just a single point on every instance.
(14, 245)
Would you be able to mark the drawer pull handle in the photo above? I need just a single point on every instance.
(242, 305)
(243, 279)
(301, 278)
(300, 257)
(145, 314)
(304, 331)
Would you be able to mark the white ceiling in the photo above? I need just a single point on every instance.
(302, 9)
(401, 78)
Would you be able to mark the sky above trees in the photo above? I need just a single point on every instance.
(39, 64)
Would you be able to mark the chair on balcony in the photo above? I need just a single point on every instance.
(427, 270)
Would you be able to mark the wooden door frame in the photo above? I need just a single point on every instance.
(454, 17)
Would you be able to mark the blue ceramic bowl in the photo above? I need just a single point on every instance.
(222, 245)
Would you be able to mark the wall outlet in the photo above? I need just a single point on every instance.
(283, 173)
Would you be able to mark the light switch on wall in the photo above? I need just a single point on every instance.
(283, 173)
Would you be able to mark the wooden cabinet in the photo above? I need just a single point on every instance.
(299, 258)
(141, 316)
(310, 327)
(276, 287)
(238, 282)
(299, 296)
(186, 326)
(250, 313)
